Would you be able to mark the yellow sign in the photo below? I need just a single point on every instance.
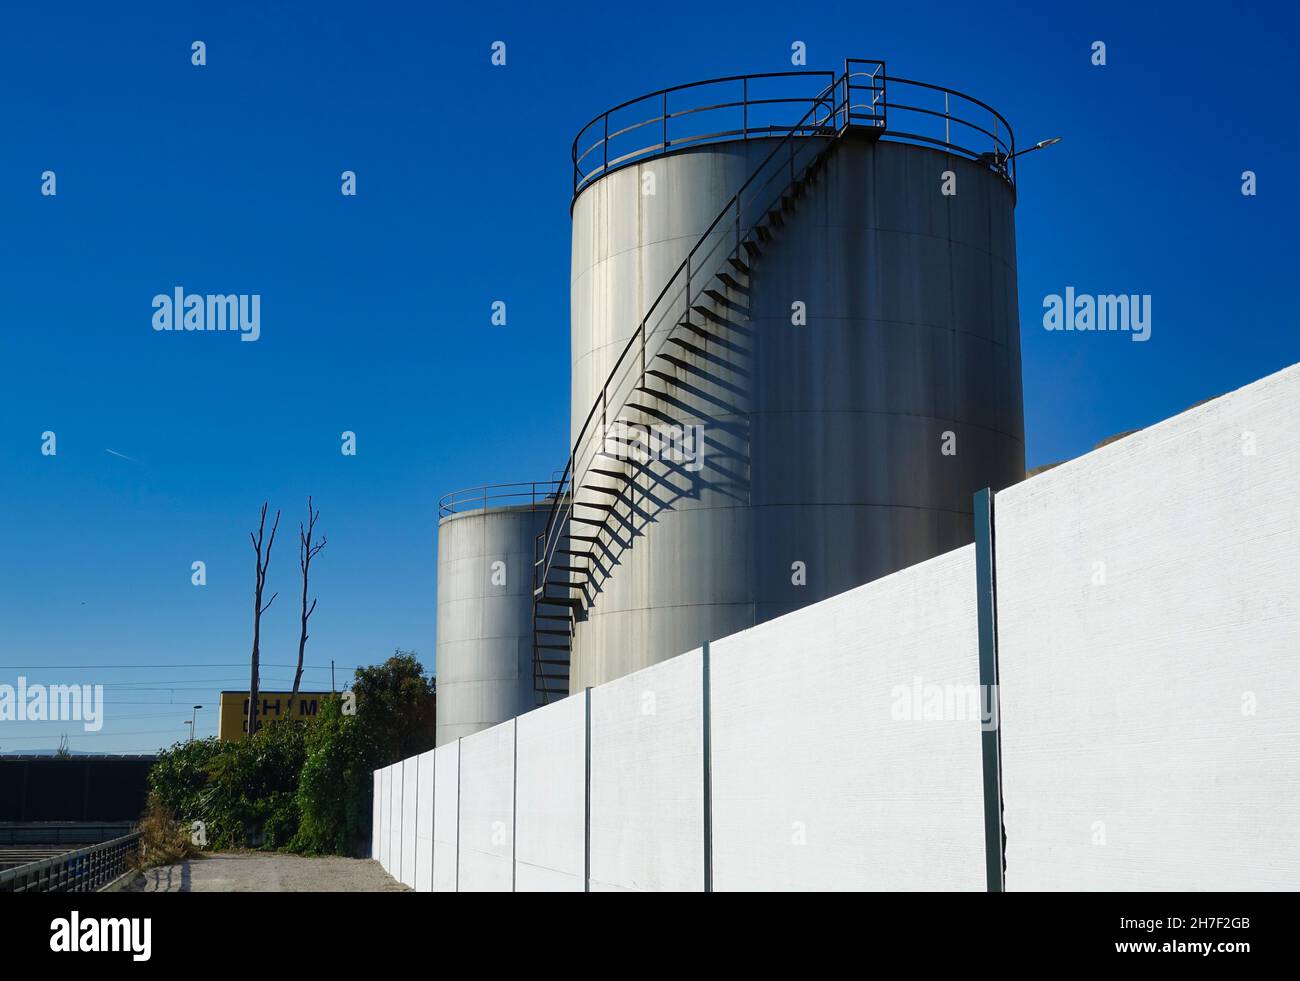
(232, 716)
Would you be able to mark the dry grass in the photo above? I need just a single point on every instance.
(163, 839)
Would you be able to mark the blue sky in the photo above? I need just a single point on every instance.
(375, 308)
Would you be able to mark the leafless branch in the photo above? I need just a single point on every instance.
(306, 552)
(259, 584)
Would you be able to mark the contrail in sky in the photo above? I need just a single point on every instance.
(122, 455)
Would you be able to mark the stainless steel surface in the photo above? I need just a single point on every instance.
(485, 633)
(823, 442)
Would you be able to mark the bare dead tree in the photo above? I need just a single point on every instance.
(306, 552)
(258, 609)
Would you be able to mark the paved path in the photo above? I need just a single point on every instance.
(268, 872)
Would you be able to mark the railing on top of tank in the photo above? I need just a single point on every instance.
(777, 103)
(533, 493)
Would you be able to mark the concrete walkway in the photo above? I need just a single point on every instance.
(268, 872)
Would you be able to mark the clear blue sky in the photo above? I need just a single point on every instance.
(375, 309)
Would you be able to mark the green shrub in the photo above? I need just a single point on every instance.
(244, 792)
(303, 786)
(335, 788)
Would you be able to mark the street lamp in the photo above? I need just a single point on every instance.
(1050, 141)
(193, 716)
(998, 160)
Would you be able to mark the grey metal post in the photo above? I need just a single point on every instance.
(417, 822)
(990, 736)
(391, 819)
(457, 885)
(708, 777)
(514, 810)
(586, 853)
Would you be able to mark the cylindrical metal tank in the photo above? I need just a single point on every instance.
(484, 661)
(840, 444)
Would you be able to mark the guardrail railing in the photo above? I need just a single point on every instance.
(84, 870)
(776, 103)
(536, 493)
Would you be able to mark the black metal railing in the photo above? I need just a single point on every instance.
(773, 104)
(84, 870)
(717, 109)
(537, 493)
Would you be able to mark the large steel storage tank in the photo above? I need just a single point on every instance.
(849, 344)
(485, 669)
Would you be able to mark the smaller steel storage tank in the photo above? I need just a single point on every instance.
(486, 541)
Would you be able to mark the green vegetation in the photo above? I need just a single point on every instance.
(296, 785)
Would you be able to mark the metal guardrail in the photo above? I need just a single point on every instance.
(84, 870)
(776, 103)
(535, 494)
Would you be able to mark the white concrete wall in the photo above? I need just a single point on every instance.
(390, 820)
(394, 864)
(824, 774)
(647, 779)
(487, 791)
(376, 818)
(1149, 648)
(446, 809)
(410, 800)
(1149, 718)
(551, 804)
(424, 823)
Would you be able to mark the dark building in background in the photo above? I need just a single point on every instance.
(77, 788)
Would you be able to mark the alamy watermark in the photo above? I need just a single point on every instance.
(1105, 312)
(681, 445)
(53, 703)
(212, 311)
(926, 702)
(102, 934)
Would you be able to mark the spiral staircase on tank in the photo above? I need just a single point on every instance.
(688, 324)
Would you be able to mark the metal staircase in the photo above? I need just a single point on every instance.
(687, 319)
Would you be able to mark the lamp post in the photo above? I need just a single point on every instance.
(998, 160)
(193, 716)
(1050, 141)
